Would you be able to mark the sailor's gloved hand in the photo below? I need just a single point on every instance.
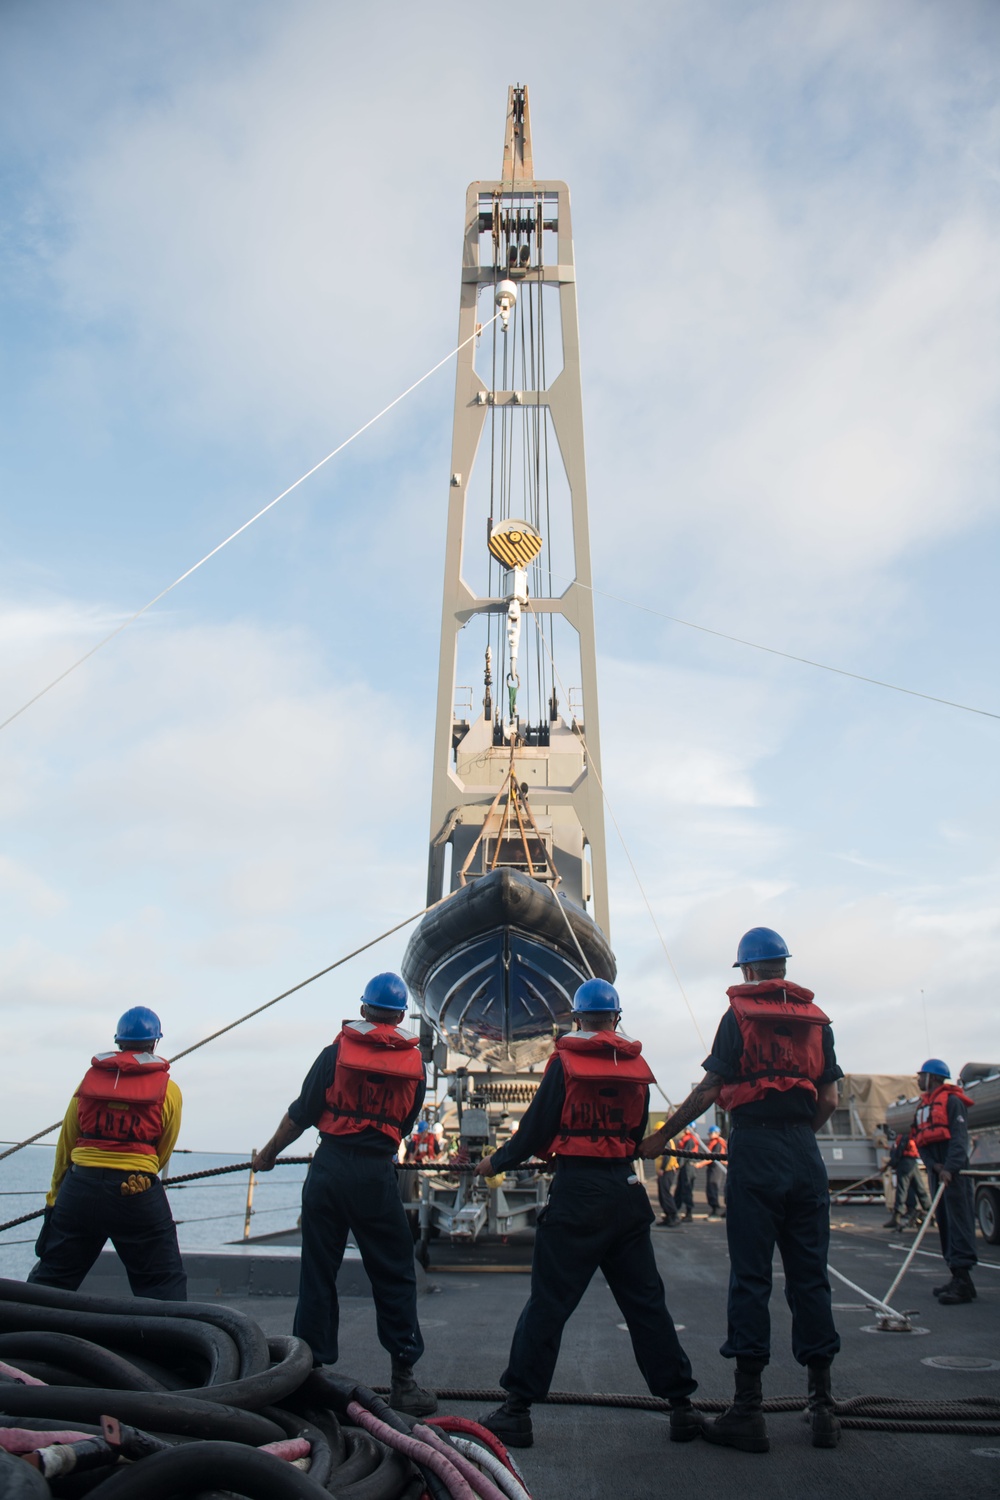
(43, 1233)
(944, 1175)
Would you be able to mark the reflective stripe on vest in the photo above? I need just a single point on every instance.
(120, 1102)
(374, 1083)
(931, 1123)
(782, 1033)
(606, 1081)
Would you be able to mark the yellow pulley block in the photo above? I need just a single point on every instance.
(515, 543)
(494, 1182)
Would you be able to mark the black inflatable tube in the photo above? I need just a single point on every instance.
(184, 1337)
(18, 1481)
(193, 1469)
(80, 1356)
(182, 1415)
(294, 1426)
(244, 1332)
(294, 1361)
(338, 1390)
(363, 1457)
(387, 1482)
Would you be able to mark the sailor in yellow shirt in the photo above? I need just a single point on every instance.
(118, 1132)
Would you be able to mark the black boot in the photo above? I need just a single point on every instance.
(959, 1289)
(742, 1425)
(511, 1423)
(825, 1426)
(892, 1222)
(406, 1395)
(687, 1217)
(685, 1422)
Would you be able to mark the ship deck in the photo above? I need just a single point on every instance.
(468, 1313)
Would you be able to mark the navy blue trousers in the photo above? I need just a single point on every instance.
(355, 1192)
(955, 1213)
(91, 1209)
(684, 1191)
(778, 1194)
(595, 1219)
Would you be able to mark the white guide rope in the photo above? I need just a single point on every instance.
(240, 529)
(916, 1243)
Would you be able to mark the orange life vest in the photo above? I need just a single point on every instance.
(931, 1122)
(375, 1081)
(120, 1102)
(688, 1142)
(782, 1041)
(606, 1081)
(716, 1144)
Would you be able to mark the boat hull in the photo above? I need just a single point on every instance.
(495, 965)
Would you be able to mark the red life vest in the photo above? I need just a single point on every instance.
(716, 1144)
(931, 1123)
(375, 1081)
(120, 1104)
(688, 1142)
(910, 1149)
(606, 1081)
(782, 1041)
(424, 1146)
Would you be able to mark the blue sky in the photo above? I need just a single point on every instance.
(231, 234)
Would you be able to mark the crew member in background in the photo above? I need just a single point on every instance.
(686, 1169)
(363, 1093)
(666, 1173)
(423, 1146)
(773, 1066)
(715, 1177)
(590, 1113)
(941, 1133)
(117, 1135)
(904, 1159)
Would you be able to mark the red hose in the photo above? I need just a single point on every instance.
(474, 1429)
(477, 1479)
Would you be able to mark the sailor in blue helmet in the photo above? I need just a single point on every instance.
(941, 1135)
(590, 1113)
(363, 1094)
(773, 1066)
(117, 1135)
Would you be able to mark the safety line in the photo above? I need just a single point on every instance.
(611, 813)
(249, 1016)
(788, 655)
(240, 529)
(935, 1255)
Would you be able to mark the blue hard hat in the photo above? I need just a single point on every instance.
(139, 1025)
(386, 992)
(937, 1067)
(596, 994)
(760, 943)
(422, 1125)
(714, 1130)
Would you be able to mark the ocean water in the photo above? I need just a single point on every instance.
(207, 1214)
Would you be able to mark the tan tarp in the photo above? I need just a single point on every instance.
(872, 1093)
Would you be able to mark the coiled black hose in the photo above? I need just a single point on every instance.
(244, 1332)
(198, 1466)
(182, 1415)
(79, 1356)
(196, 1343)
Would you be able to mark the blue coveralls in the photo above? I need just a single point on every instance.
(597, 1217)
(955, 1213)
(351, 1188)
(777, 1194)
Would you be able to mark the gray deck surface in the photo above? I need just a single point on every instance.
(587, 1452)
